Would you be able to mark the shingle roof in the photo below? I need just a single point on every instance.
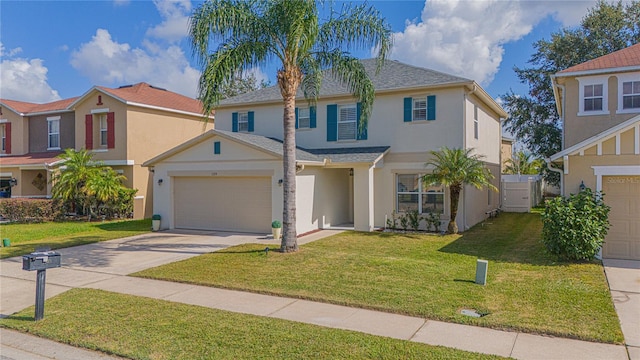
(619, 59)
(26, 108)
(393, 75)
(30, 159)
(144, 93)
(268, 144)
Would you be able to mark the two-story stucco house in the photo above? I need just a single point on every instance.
(599, 103)
(230, 178)
(122, 126)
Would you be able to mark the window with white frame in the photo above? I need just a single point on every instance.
(631, 95)
(419, 109)
(3, 134)
(347, 122)
(412, 194)
(53, 125)
(102, 118)
(304, 118)
(475, 122)
(243, 121)
(593, 97)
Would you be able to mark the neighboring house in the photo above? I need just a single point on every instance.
(230, 178)
(506, 151)
(123, 127)
(599, 103)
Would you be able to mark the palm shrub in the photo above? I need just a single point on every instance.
(574, 228)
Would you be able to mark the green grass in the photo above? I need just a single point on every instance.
(142, 328)
(25, 238)
(427, 275)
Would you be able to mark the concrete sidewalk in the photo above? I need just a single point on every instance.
(624, 282)
(105, 266)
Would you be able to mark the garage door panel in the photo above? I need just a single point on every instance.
(223, 203)
(622, 194)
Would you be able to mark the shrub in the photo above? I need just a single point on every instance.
(574, 228)
(404, 222)
(31, 210)
(414, 219)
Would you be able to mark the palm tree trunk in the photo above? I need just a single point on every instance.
(289, 80)
(453, 207)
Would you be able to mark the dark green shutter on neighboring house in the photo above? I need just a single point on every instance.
(332, 122)
(296, 118)
(362, 130)
(250, 116)
(312, 115)
(431, 107)
(216, 147)
(234, 122)
(408, 107)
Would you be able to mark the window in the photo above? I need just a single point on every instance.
(412, 194)
(53, 125)
(347, 122)
(419, 109)
(103, 129)
(475, 122)
(593, 97)
(304, 118)
(3, 134)
(243, 122)
(631, 95)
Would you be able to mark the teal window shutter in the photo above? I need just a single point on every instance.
(408, 106)
(250, 116)
(312, 116)
(296, 118)
(216, 147)
(234, 122)
(362, 130)
(332, 122)
(431, 107)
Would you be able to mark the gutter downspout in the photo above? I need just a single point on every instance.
(564, 100)
(559, 171)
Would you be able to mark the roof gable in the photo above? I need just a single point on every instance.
(24, 108)
(627, 57)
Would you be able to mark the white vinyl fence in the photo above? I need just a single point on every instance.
(520, 193)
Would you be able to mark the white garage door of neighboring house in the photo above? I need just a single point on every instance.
(622, 193)
(223, 203)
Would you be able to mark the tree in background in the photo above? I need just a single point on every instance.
(253, 33)
(455, 168)
(523, 163)
(241, 84)
(533, 118)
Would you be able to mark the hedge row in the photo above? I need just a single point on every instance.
(31, 210)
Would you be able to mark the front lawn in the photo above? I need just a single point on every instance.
(25, 238)
(427, 275)
(142, 328)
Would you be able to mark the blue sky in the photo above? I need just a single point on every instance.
(59, 49)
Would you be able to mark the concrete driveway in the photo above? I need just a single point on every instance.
(87, 264)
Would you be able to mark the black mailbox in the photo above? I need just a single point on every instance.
(41, 260)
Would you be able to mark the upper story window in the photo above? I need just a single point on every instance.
(593, 95)
(476, 125)
(3, 135)
(304, 118)
(242, 121)
(102, 119)
(53, 125)
(420, 108)
(631, 95)
(347, 122)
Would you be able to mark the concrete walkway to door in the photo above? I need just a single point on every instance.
(105, 266)
(624, 282)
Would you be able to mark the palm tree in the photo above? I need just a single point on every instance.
(69, 182)
(454, 168)
(253, 33)
(523, 164)
(105, 187)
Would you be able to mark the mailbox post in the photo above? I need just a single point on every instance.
(40, 261)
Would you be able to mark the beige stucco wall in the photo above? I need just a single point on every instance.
(489, 138)
(109, 104)
(322, 198)
(478, 202)
(578, 128)
(506, 153)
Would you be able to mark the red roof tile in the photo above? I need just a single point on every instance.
(622, 58)
(30, 159)
(144, 93)
(28, 108)
(18, 106)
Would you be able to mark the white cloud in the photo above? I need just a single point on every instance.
(466, 38)
(106, 61)
(175, 15)
(24, 79)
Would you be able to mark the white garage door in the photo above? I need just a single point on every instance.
(622, 193)
(223, 203)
